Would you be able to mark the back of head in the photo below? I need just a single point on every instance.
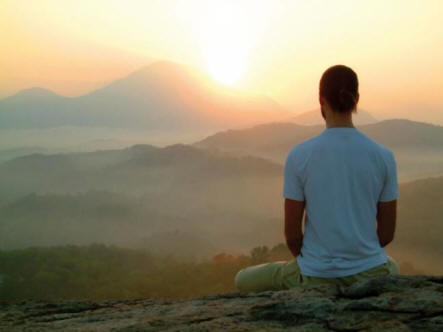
(339, 86)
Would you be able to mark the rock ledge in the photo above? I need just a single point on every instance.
(396, 303)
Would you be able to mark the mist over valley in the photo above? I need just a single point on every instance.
(175, 169)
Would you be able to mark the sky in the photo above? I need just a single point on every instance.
(276, 48)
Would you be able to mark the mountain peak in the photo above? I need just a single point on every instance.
(167, 65)
(36, 92)
(163, 68)
(141, 148)
(164, 96)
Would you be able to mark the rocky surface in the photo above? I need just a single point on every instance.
(384, 303)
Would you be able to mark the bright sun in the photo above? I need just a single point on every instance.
(226, 45)
(225, 66)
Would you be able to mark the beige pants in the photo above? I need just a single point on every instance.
(286, 274)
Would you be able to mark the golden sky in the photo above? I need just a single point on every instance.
(278, 48)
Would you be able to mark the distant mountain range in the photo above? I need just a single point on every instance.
(134, 170)
(234, 154)
(224, 192)
(178, 198)
(131, 196)
(418, 146)
(9, 154)
(395, 133)
(164, 96)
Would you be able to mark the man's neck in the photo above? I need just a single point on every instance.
(340, 126)
(339, 122)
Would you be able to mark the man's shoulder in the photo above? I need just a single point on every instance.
(305, 146)
(377, 146)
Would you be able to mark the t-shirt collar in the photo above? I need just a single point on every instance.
(342, 129)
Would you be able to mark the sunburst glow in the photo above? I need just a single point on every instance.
(225, 65)
(227, 45)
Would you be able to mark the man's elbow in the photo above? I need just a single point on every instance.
(290, 242)
(293, 238)
(386, 239)
(294, 244)
(386, 221)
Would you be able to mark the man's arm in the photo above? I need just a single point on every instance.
(386, 220)
(293, 225)
(387, 202)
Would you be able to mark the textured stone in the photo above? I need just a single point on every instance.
(384, 303)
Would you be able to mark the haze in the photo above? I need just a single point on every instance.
(142, 143)
(276, 48)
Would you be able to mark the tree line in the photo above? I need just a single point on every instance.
(99, 272)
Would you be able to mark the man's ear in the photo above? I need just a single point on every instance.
(322, 113)
(357, 97)
(320, 99)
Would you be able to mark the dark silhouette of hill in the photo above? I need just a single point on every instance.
(314, 117)
(34, 108)
(164, 96)
(34, 93)
(420, 230)
(8, 154)
(122, 170)
(395, 133)
(418, 146)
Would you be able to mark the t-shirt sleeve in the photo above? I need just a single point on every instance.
(390, 186)
(292, 183)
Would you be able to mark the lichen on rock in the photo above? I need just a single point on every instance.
(383, 303)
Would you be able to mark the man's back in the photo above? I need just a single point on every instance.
(346, 186)
(342, 175)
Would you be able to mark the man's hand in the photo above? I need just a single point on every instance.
(293, 225)
(386, 220)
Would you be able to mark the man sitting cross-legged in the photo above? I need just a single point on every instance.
(345, 184)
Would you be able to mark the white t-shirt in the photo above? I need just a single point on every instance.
(341, 174)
